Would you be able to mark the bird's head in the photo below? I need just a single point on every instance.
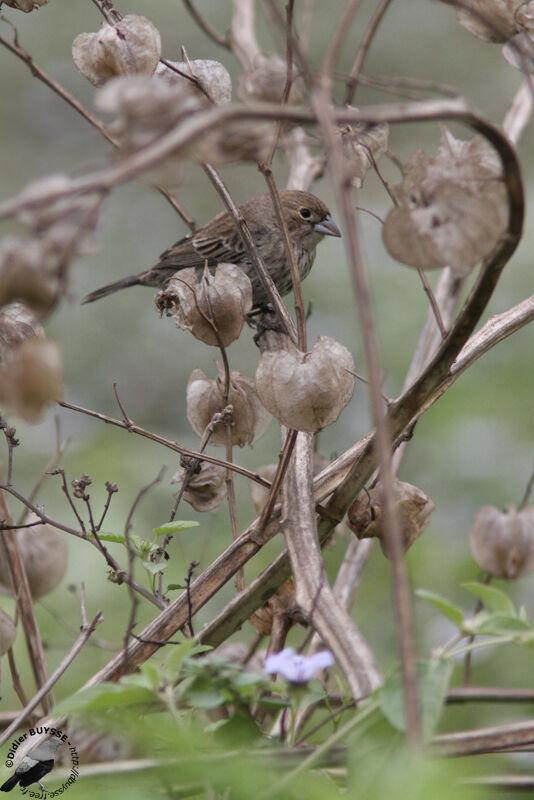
(307, 217)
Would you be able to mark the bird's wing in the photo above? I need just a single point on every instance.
(26, 764)
(194, 251)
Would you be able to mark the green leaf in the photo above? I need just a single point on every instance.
(432, 682)
(108, 537)
(173, 663)
(207, 698)
(105, 696)
(494, 599)
(171, 587)
(175, 527)
(502, 625)
(154, 568)
(452, 612)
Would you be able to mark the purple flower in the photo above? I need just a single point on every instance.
(296, 668)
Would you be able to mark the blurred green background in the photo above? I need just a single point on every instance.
(473, 448)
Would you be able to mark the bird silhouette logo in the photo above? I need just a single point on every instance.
(34, 766)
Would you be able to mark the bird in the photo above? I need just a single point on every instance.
(307, 219)
(31, 769)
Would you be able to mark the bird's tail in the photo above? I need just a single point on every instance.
(133, 280)
(10, 783)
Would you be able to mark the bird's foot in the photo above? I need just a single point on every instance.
(263, 319)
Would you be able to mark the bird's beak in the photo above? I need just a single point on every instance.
(327, 227)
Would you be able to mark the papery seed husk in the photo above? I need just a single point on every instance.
(492, 20)
(205, 398)
(201, 300)
(306, 391)
(366, 518)
(17, 324)
(265, 82)
(128, 47)
(206, 489)
(213, 77)
(363, 145)
(44, 553)
(503, 542)
(30, 378)
(25, 5)
(453, 209)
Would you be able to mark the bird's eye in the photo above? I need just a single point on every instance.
(305, 213)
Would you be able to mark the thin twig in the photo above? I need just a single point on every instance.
(24, 601)
(368, 36)
(132, 428)
(216, 37)
(435, 308)
(85, 633)
(121, 576)
(289, 80)
(300, 311)
(528, 492)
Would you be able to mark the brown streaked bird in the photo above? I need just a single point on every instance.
(307, 218)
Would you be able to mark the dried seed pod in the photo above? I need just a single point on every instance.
(363, 144)
(206, 397)
(30, 378)
(489, 20)
(453, 209)
(25, 274)
(365, 516)
(234, 141)
(265, 82)
(214, 79)
(17, 324)
(202, 301)
(66, 226)
(128, 47)
(25, 5)
(503, 542)
(306, 391)
(282, 603)
(519, 51)
(44, 553)
(146, 109)
(206, 489)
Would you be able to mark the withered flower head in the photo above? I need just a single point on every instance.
(266, 80)
(453, 208)
(130, 46)
(306, 391)
(503, 542)
(490, 20)
(363, 144)
(25, 5)
(17, 324)
(282, 603)
(44, 553)
(206, 397)
(30, 364)
(365, 516)
(8, 632)
(234, 141)
(206, 489)
(202, 301)
(213, 78)
(26, 273)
